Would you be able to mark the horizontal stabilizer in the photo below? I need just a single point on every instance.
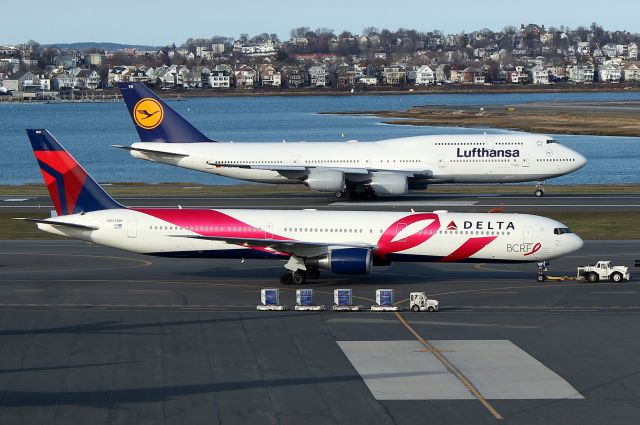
(151, 151)
(59, 223)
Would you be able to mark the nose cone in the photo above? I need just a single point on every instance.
(580, 161)
(576, 242)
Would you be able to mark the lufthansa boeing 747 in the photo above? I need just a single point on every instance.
(385, 167)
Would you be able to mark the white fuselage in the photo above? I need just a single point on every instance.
(491, 158)
(395, 236)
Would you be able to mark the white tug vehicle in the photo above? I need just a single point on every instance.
(418, 301)
(603, 270)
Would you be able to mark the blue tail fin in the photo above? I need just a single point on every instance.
(154, 119)
(72, 190)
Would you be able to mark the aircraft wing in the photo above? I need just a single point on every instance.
(299, 248)
(59, 223)
(284, 168)
(151, 151)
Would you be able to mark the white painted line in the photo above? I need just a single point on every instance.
(15, 199)
(614, 292)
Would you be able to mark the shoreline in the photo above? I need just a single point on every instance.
(603, 118)
(110, 94)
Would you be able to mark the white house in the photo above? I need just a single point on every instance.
(539, 74)
(220, 79)
(422, 75)
(518, 76)
(368, 80)
(318, 76)
(609, 73)
(581, 73)
(245, 77)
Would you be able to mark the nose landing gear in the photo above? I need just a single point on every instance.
(542, 269)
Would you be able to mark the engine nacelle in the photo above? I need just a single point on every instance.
(325, 180)
(344, 261)
(389, 184)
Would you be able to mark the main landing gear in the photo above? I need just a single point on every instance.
(297, 272)
(368, 193)
(542, 269)
(539, 190)
(299, 277)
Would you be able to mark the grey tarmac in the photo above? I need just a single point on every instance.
(419, 201)
(95, 335)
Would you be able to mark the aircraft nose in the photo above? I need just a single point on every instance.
(577, 242)
(580, 161)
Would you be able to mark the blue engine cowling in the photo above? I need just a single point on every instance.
(344, 261)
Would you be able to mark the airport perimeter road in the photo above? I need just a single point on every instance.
(426, 201)
(94, 335)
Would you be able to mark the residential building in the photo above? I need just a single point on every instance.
(518, 75)
(539, 75)
(581, 73)
(394, 74)
(86, 79)
(63, 80)
(631, 72)
(609, 73)
(318, 76)
(368, 80)
(220, 79)
(245, 77)
(293, 76)
(270, 76)
(421, 76)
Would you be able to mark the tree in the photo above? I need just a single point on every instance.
(299, 32)
(369, 31)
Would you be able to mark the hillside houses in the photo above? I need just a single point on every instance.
(323, 60)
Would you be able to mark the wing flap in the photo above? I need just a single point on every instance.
(302, 248)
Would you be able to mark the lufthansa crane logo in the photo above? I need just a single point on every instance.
(148, 113)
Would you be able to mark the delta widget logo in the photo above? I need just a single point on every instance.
(148, 113)
(452, 226)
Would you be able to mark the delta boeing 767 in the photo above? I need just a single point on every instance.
(385, 167)
(347, 242)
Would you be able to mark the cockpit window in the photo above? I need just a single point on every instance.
(561, 230)
(549, 141)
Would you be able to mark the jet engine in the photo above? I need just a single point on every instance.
(389, 184)
(344, 261)
(325, 180)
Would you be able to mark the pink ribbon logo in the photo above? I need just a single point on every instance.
(535, 249)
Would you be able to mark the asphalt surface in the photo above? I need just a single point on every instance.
(93, 335)
(424, 201)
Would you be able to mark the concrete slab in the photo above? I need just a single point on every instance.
(499, 369)
(402, 370)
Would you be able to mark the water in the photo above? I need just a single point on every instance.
(88, 130)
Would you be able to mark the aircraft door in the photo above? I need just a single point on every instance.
(399, 228)
(528, 234)
(132, 229)
(268, 232)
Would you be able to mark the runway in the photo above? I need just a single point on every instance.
(91, 334)
(421, 202)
